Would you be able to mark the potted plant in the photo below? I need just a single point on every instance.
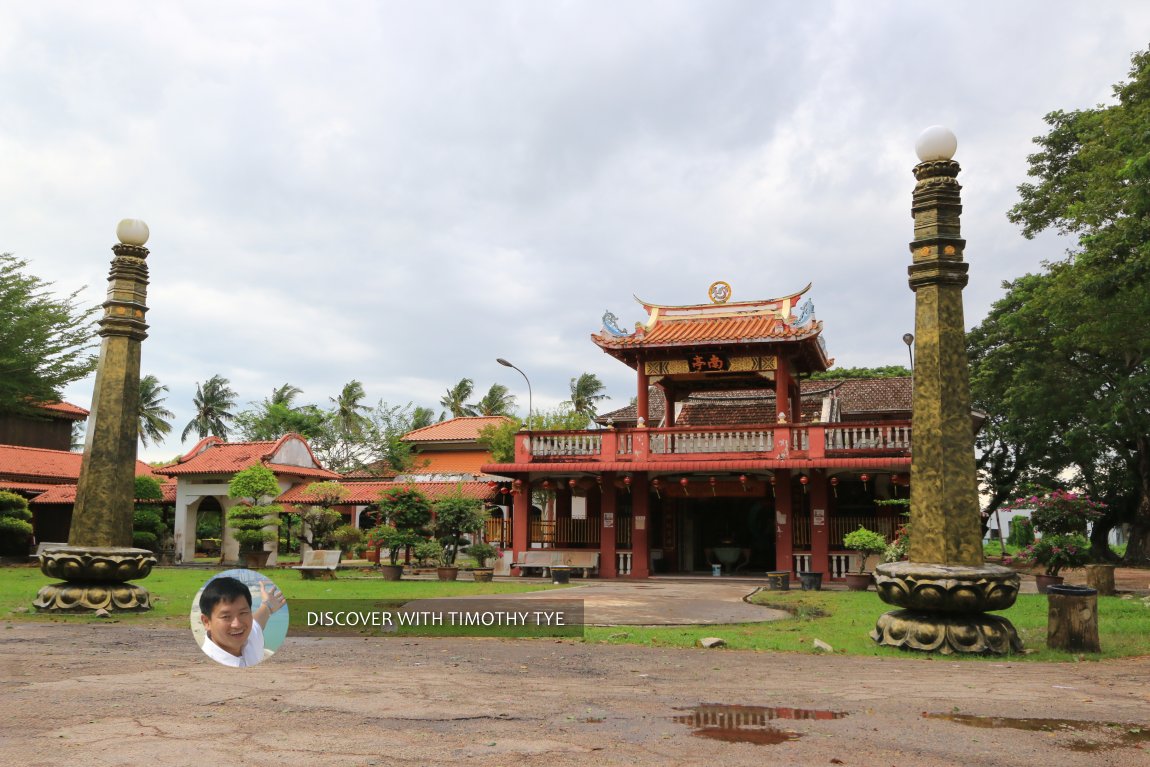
(349, 538)
(1053, 553)
(408, 511)
(482, 552)
(319, 521)
(865, 542)
(393, 540)
(252, 521)
(456, 516)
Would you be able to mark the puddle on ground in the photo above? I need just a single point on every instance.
(748, 724)
(1098, 736)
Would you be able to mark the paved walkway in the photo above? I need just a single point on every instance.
(663, 602)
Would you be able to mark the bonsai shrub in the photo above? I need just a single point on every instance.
(405, 509)
(456, 516)
(482, 552)
(321, 520)
(252, 522)
(15, 527)
(1054, 552)
(349, 538)
(392, 539)
(426, 552)
(865, 542)
(148, 528)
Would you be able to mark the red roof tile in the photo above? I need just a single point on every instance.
(65, 409)
(464, 429)
(52, 466)
(67, 494)
(214, 456)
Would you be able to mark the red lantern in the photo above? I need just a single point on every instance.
(865, 478)
(656, 484)
(503, 490)
(835, 485)
(546, 484)
(683, 483)
(518, 485)
(571, 483)
(743, 481)
(627, 483)
(803, 480)
(712, 483)
(492, 485)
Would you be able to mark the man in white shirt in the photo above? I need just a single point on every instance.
(235, 634)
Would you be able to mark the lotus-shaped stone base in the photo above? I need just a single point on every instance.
(81, 597)
(95, 579)
(981, 634)
(81, 563)
(945, 588)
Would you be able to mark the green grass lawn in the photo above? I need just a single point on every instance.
(843, 619)
(173, 589)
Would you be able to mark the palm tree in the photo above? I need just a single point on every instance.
(154, 424)
(213, 402)
(422, 416)
(497, 401)
(349, 410)
(586, 390)
(455, 400)
(285, 395)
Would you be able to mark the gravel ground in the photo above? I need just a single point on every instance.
(108, 694)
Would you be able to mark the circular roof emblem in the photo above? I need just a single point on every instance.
(719, 292)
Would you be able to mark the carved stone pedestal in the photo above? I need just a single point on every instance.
(945, 608)
(94, 578)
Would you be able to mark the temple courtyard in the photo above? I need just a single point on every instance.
(119, 694)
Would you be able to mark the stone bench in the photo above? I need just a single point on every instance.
(544, 560)
(319, 563)
(42, 547)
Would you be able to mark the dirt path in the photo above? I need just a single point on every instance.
(107, 694)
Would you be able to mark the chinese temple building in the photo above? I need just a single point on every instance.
(729, 456)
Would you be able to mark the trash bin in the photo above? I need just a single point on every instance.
(716, 570)
(778, 580)
(561, 574)
(811, 581)
(1072, 619)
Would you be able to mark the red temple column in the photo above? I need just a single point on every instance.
(640, 527)
(607, 526)
(784, 519)
(820, 529)
(520, 522)
(782, 390)
(562, 514)
(669, 408)
(642, 408)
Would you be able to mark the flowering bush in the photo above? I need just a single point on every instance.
(1055, 552)
(900, 548)
(1060, 512)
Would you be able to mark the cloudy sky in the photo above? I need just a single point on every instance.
(402, 192)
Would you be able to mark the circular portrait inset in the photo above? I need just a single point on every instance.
(239, 618)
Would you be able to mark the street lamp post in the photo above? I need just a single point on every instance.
(945, 590)
(507, 364)
(908, 339)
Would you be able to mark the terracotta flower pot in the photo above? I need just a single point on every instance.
(483, 574)
(1045, 581)
(447, 573)
(859, 581)
(391, 572)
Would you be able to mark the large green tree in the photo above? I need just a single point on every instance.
(1091, 180)
(213, 403)
(277, 415)
(46, 341)
(154, 423)
(586, 392)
